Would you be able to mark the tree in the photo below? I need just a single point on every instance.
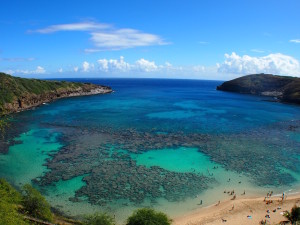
(99, 219)
(148, 217)
(35, 204)
(294, 215)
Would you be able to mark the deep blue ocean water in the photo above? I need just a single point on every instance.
(181, 126)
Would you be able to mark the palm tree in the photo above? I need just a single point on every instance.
(294, 215)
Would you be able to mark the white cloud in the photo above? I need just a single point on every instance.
(257, 50)
(10, 72)
(273, 63)
(18, 59)
(85, 26)
(203, 42)
(123, 38)
(297, 41)
(146, 68)
(114, 65)
(38, 70)
(199, 68)
(106, 37)
(93, 50)
(168, 64)
(145, 65)
(103, 64)
(76, 68)
(60, 70)
(141, 65)
(85, 66)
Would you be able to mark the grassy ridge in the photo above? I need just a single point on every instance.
(13, 88)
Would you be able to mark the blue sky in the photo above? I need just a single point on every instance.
(173, 39)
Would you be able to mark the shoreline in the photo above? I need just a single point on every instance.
(236, 212)
(46, 100)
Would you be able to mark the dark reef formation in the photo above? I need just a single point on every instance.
(104, 157)
(18, 94)
(285, 89)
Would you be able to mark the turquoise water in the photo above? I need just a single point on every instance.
(25, 161)
(179, 160)
(165, 144)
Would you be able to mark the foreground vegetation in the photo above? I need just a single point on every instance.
(10, 201)
(148, 217)
(294, 215)
(28, 206)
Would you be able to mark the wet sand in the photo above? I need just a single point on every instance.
(244, 207)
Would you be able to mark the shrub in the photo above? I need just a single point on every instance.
(99, 219)
(148, 217)
(35, 204)
(294, 215)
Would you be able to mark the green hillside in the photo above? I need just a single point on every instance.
(15, 90)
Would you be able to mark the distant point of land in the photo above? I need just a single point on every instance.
(284, 88)
(18, 94)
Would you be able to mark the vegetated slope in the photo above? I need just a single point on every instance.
(286, 89)
(18, 94)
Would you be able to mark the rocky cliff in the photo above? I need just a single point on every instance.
(17, 94)
(285, 89)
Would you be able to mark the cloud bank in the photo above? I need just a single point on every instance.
(273, 63)
(38, 70)
(233, 66)
(141, 68)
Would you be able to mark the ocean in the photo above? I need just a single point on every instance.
(161, 143)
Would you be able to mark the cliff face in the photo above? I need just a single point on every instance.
(17, 94)
(286, 89)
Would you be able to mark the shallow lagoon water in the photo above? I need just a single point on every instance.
(25, 161)
(238, 131)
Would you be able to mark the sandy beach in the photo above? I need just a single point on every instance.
(242, 210)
